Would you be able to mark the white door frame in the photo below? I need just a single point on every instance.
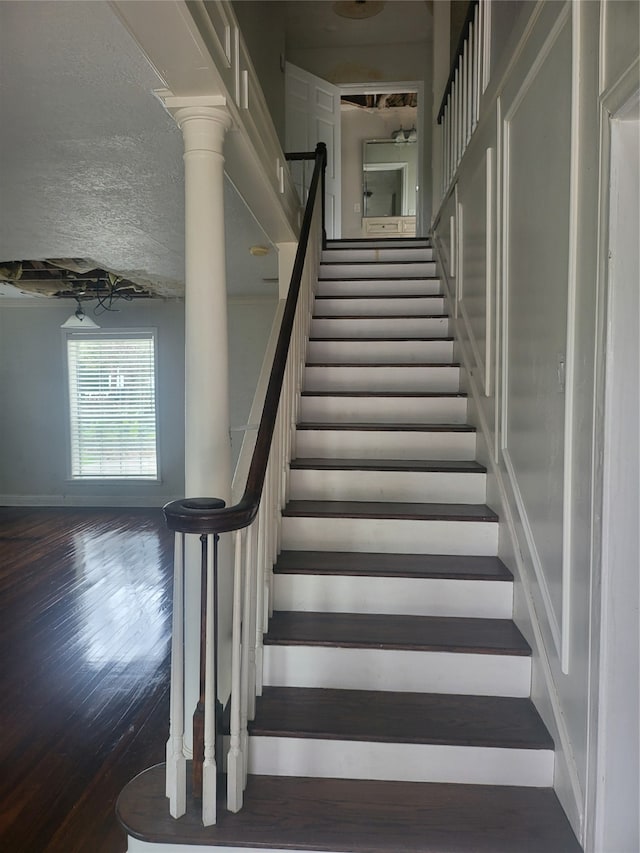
(393, 88)
(614, 582)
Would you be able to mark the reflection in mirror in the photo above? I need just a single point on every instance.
(389, 176)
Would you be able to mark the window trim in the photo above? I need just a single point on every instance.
(110, 334)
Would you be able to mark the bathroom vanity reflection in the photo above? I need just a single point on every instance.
(389, 171)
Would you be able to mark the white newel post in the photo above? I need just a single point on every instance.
(207, 437)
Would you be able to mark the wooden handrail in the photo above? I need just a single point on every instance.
(456, 57)
(203, 515)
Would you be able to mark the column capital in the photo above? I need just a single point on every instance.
(203, 119)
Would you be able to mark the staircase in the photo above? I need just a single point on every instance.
(395, 713)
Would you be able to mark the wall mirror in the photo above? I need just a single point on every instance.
(390, 176)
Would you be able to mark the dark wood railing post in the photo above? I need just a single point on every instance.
(322, 150)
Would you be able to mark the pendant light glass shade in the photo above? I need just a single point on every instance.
(79, 320)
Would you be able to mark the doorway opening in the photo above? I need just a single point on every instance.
(381, 154)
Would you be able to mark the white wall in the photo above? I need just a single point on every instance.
(33, 417)
(263, 29)
(524, 204)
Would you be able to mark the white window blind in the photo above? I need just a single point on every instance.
(112, 405)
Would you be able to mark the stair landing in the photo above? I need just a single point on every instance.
(297, 814)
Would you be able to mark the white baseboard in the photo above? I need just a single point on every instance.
(88, 500)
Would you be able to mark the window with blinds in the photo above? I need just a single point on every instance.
(112, 405)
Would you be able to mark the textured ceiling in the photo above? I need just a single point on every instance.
(313, 23)
(90, 163)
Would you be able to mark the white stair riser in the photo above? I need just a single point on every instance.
(379, 287)
(403, 410)
(349, 485)
(397, 670)
(393, 596)
(380, 351)
(406, 253)
(409, 762)
(379, 327)
(390, 536)
(415, 269)
(374, 378)
(376, 306)
(371, 444)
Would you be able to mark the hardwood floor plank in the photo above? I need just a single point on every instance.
(86, 614)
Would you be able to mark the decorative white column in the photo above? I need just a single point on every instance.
(207, 441)
(207, 437)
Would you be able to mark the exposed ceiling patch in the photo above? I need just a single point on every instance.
(381, 102)
(78, 278)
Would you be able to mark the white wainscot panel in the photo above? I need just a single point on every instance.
(537, 166)
(473, 307)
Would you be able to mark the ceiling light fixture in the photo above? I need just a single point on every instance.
(79, 320)
(358, 9)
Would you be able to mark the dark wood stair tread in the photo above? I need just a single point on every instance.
(420, 339)
(321, 296)
(322, 279)
(362, 564)
(387, 427)
(466, 635)
(393, 394)
(420, 242)
(375, 261)
(364, 364)
(390, 509)
(363, 816)
(381, 317)
(424, 465)
(390, 717)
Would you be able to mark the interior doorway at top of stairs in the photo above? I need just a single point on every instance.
(382, 139)
(313, 114)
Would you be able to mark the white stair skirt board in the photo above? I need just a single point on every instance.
(410, 762)
(357, 485)
(405, 253)
(383, 444)
(366, 377)
(393, 596)
(390, 536)
(365, 352)
(400, 671)
(375, 306)
(412, 269)
(379, 327)
(379, 409)
(380, 287)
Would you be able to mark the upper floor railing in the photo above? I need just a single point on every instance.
(255, 524)
(460, 107)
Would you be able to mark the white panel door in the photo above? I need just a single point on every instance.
(312, 115)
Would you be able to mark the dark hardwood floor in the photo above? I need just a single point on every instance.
(85, 610)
